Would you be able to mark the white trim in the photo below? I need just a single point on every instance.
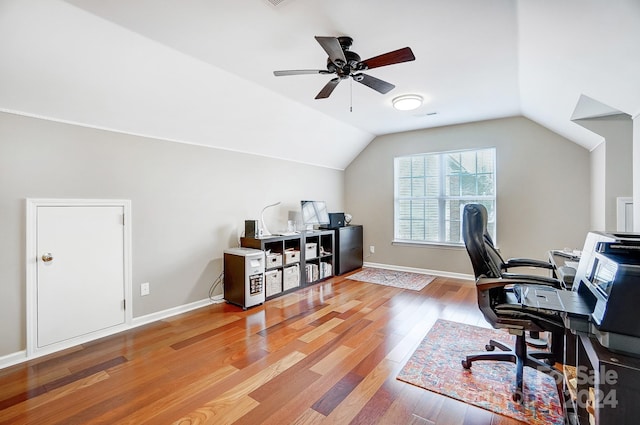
(462, 276)
(426, 244)
(35, 352)
(13, 358)
(159, 137)
(23, 356)
(173, 311)
(621, 213)
(32, 205)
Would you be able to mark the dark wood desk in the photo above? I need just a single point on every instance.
(604, 385)
(606, 388)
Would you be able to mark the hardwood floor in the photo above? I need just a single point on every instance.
(328, 354)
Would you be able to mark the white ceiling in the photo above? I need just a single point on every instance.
(200, 71)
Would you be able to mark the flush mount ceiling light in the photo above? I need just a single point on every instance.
(407, 102)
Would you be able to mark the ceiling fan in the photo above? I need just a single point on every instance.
(344, 64)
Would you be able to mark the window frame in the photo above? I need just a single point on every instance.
(442, 198)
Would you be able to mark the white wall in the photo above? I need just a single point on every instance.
(598, 187)
(189, 203)
(612, 167)
(542, 182)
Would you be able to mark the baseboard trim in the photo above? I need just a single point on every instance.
(21, 356)
(13, 359)
(461, 276)
(174, 311)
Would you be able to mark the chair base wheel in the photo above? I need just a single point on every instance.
(466, 364)
(489, 347)
(539, 343)
(517, 397)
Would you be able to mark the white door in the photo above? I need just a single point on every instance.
(81, 273)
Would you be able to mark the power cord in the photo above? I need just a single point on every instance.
(214, 286)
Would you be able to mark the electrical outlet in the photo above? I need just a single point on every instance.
(144, 289)
(372, 249)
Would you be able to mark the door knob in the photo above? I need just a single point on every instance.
(46, 257)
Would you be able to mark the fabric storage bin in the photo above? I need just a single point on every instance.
(273, 260)
(291, 256)
(273, 282)
(310, 250)
(291, 277)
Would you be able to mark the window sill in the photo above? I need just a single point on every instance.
(445, 245)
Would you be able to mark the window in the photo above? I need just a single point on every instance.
(432, 189)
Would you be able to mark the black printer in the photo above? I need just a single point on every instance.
(608, 278)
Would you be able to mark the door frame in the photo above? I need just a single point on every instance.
(32, 205)
(621, 217)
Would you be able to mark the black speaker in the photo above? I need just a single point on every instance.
(251, 229)
(336, 220)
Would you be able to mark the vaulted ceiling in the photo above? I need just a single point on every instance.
(201, 71)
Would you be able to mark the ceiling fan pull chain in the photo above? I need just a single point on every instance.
(351, 95)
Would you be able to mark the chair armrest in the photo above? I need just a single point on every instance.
(527, 262)
(485, 283)
(523, 312)
(542, 280)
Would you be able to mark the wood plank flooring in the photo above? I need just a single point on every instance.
(328, 354)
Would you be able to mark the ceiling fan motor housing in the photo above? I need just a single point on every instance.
(344, 70)
(345, 42)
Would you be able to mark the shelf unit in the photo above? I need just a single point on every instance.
(318, 255)
(279, 274)
(604, 386)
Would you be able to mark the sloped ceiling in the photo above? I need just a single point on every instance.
(200, 71)
(571, 49)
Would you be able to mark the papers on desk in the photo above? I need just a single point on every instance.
(525, 293)
(572, 264)
(552, 299)
(572, 254)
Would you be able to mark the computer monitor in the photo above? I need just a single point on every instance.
(314, 213)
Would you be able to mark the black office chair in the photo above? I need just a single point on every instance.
(500, 268)
(498, 302)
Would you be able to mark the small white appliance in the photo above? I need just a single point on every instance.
(244, 277)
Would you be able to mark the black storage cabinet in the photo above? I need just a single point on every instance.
(348, 246)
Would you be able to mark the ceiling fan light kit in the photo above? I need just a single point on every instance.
(344, 64)
(407, 102)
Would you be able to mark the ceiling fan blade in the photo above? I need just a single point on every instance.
(397, 56)
(374, 83)
(300, 72)
(328, 88)
(331, 45)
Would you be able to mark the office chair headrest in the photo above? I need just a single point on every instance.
(475, 236)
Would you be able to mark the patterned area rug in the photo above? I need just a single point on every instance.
(436, 366)
(404, 280)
